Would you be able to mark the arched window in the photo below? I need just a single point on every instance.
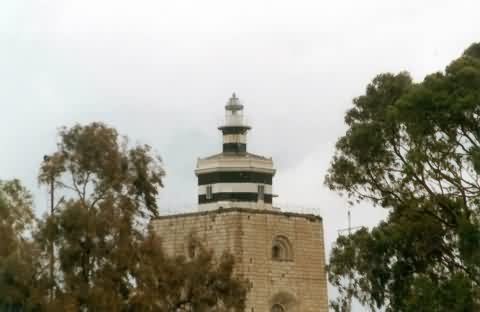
(281, 249)
(277, 308)
(276, 252)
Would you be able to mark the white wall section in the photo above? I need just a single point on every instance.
(234, 188)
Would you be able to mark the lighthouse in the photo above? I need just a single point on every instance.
(234, 178)
(281, 253)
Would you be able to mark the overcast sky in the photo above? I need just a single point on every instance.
(161, 72)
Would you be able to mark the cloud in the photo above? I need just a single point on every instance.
(161, 71)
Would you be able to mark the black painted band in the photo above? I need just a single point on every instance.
(234, 129)
(234, 147)
(244, 197)
(235, 177)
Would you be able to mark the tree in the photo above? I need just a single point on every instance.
(109, 192)
(414, 149)
(21, 283)
(105, 257)
(197, 281)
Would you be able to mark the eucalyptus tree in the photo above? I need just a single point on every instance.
(413, 148)
(197, 281)
(109, 191)
(106, 259)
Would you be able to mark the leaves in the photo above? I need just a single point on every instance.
(413, 149)
(21, 284)
(15, 207)
(197, 281)
(104, 259)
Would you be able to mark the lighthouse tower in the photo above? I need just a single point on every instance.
(281, 254)
(234, 178)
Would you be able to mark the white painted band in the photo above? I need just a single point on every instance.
(235, 138)
(234, 188)
(225, 205)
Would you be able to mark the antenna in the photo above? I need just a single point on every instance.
(349, 231)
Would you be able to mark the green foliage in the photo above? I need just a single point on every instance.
(414, 149)
(104, 261)
(197, 281)
(15, 208)
(102, 258)
(473, 51)
(21, 283)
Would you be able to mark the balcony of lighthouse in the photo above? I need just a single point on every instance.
(227, 162)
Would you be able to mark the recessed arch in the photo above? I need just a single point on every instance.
(277, 308)
(284, 302)
(282, 249)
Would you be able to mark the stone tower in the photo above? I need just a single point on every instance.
(281, 253)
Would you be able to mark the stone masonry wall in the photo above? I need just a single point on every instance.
(298, 285)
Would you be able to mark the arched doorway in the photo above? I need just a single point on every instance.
(284, 302)
(277, 308)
